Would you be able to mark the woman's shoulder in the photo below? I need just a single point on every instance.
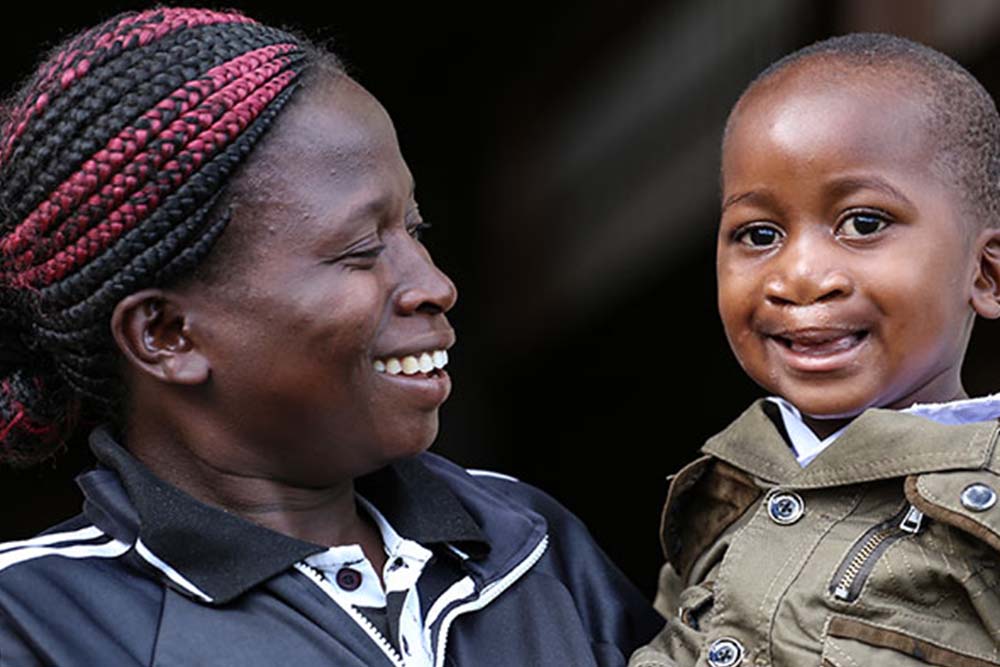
(490, 486)
(73, 560)
(568, 563)
(67, 586)
(76, 539)
(504, 505)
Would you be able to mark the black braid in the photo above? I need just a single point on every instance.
(110, 276)
(100, 106)
(74, 242)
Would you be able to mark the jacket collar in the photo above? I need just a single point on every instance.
(217, 556)
(878, 444)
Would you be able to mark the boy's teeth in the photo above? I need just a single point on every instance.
(425, 362)
(825, 346)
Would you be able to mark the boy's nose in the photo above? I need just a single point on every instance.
(803, 274)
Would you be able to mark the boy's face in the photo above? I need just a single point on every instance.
(845, 267)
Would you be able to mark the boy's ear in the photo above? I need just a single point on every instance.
(151, 330)
(986, 287)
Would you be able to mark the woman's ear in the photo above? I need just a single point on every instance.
(151, 330)
(986, 287)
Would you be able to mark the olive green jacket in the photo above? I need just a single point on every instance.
(884, 566)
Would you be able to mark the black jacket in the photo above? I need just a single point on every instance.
(147, 575)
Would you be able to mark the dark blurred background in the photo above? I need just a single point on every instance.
(566, 154)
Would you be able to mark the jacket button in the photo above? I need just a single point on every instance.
(978, 497)
(785, 507)
(725, 652)
(348, 578)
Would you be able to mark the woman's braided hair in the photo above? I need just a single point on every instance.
(112, 158)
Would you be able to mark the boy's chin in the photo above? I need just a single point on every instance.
(824, 408)
(825, 427)
(831, 413)
(834, 400)
(826, 423)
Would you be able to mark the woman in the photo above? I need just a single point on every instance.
(210, 243)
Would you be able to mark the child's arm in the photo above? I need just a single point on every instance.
(694, 547)
(967, 501)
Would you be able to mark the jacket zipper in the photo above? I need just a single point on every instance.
(317, 577)
(488, 594)
(854, 571)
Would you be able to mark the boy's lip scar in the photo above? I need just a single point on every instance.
(815, 335)
(820, 350)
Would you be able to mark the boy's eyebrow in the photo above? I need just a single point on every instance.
(755, 196)
(840, 188)
(850, 184)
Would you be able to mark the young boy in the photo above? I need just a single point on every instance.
(859, 240)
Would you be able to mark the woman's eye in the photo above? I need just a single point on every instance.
(361, 256)
(417, 230)
(371, 253)
(759, 235)
(862, 224)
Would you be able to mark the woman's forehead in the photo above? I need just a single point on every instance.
(332, 159)
(332, 105)
(334, 130)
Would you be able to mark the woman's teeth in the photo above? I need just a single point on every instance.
(412, 364)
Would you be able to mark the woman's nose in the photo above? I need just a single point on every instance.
(426, 288)
(805, 272)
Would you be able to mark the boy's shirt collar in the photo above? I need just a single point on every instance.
(877, 445)
(807, 445)
(985, 408)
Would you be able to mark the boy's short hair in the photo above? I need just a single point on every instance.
(963, 117)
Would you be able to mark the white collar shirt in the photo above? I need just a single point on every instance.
(354, 585)
(807, 445)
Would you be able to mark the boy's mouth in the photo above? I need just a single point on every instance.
(820, 342)
(819, 350)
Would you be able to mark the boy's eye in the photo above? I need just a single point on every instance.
(758, 235)
(862, 224)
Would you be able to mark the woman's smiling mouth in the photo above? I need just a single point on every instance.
(418, 374)
(818, 350)
(426, 363)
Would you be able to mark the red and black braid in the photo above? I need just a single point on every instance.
(112, 159)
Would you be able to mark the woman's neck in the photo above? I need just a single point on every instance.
(327, 515)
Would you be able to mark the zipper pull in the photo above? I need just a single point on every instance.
(913, 521)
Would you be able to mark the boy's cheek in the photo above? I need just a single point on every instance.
(736, 312)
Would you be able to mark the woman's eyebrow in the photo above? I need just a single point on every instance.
(369, 208)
